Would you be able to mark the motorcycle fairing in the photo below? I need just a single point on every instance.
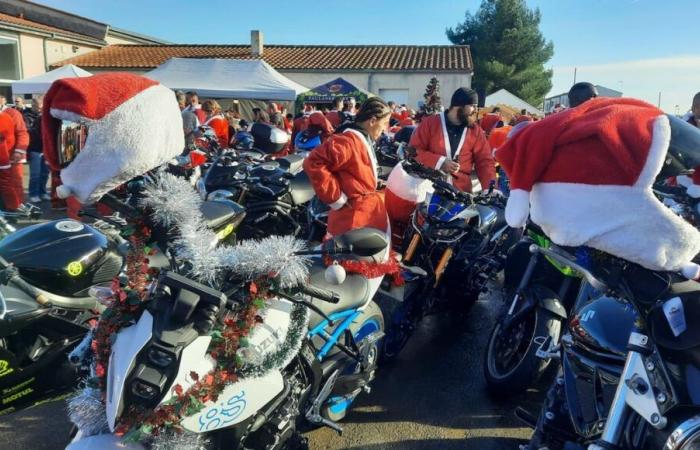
(128, 344)
(441, 209)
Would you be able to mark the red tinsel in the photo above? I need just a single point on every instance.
(367, 269)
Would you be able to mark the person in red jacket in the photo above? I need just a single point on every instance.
(452, 142)
(216, 121)
(343, 172)
(14, 140)
(335, 116)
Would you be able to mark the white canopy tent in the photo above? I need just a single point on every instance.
(41, 83)
(504, 97)
(227, 78)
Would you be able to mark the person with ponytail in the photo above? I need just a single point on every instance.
(343, 171)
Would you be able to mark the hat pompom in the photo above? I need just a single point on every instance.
(518, 208)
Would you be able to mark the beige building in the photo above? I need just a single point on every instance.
(34, 37)
(394, 72)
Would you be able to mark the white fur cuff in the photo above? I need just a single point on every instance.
(518, 208)
(342, 200)
(440, 162)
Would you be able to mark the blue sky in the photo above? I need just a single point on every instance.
(639, 46)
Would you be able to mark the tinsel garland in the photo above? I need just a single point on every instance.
(368, 269)
(174, 203)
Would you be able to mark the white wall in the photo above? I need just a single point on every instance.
(372, 82)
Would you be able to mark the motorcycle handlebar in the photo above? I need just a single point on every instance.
(12, 276)
(568, 261)
(319, 293)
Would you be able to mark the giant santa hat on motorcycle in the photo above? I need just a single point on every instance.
(133, 125)
(585, 176)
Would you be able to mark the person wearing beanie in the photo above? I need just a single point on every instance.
(133, 124)
(585, 176)
(452, 142)
(581, 92)
(14, 140)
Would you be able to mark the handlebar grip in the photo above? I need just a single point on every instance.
(321, 294)
(30, 290)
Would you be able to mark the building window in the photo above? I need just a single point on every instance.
(9, 55)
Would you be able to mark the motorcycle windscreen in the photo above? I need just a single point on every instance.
(71, 140)
(684, 149)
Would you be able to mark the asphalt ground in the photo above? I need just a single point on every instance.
(432, 397)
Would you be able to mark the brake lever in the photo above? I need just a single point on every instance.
(303, 302)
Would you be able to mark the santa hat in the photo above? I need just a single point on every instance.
(585, 175)
(134, 125)
(403, 193)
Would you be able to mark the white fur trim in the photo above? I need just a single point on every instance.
(63, 191)
(691, 271)
(342, 200)
(625, 221)
(370, 152)
(446, 138)
(5, 167)
(518, 208)
(440, 162)
(22, 152)
(660, 140)
(406, 187)
(139, 135)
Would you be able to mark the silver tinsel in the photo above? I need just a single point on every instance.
(172, 440)
(87, 412)
(175, 204)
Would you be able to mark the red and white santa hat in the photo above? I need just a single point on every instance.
(584, 175)
(691, 183)
(134, 125)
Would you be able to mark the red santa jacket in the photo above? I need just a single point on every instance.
(343, 172)
(220, 127)
(335, 118)
(21, 133)
(431, 142)
(7, 140)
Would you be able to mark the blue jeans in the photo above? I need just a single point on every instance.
(38, 174)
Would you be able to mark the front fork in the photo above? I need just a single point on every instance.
(642, 388)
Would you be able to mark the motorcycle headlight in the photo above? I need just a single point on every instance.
(144, 390)
(160, 357)
(686, 436)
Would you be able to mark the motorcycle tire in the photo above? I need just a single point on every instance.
(528, 368)
(370, 321)
(397, 333)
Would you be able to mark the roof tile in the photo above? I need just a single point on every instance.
(290, 57)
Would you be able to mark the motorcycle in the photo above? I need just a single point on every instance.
(456, 243)
(26, 211)
(335, 362)
(629, 364)
(526, 337)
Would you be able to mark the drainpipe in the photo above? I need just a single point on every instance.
(370, 82)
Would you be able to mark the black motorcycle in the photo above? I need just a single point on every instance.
(456, 243)
(630, 370)
(539, 293)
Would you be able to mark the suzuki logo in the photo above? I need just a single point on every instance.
(587, 315)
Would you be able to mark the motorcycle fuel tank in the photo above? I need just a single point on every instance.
(63, 257)
(603, 325)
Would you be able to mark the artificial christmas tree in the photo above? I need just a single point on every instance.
(433, 104)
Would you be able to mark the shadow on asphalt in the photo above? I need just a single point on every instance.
(447, 444)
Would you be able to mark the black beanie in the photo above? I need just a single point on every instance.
(463, 97)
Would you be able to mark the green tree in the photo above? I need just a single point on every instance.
(433, 104)
(508, 48)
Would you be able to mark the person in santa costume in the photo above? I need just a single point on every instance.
(14, 140)
(452, 142)
(129, 125)
(343, 171)
(216, 121)
(584, 176)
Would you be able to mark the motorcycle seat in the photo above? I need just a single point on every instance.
(216, 214)
(291, 163)
(301, 189)
(353, 293)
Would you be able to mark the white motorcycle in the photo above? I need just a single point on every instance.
(315, 350)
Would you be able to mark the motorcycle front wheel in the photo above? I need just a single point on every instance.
(511, 364)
